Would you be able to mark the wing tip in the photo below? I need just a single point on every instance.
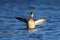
(45, 19)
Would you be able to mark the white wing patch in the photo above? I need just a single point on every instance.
(37, 22)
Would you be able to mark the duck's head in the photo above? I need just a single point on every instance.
(31, 15)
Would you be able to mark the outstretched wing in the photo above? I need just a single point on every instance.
(40, 21)
(22, 19)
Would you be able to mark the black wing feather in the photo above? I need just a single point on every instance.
(22, 19)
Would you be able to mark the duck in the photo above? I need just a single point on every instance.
(31, 23)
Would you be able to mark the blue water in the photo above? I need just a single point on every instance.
(12, 29)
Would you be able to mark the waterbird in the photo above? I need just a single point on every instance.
(31, 23)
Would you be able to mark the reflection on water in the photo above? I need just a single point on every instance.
(34, 34)
(27, 34)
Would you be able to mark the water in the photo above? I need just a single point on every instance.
(13, 29)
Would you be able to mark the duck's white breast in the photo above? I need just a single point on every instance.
(31, 23)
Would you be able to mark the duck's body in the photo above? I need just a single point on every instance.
(31, 23)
